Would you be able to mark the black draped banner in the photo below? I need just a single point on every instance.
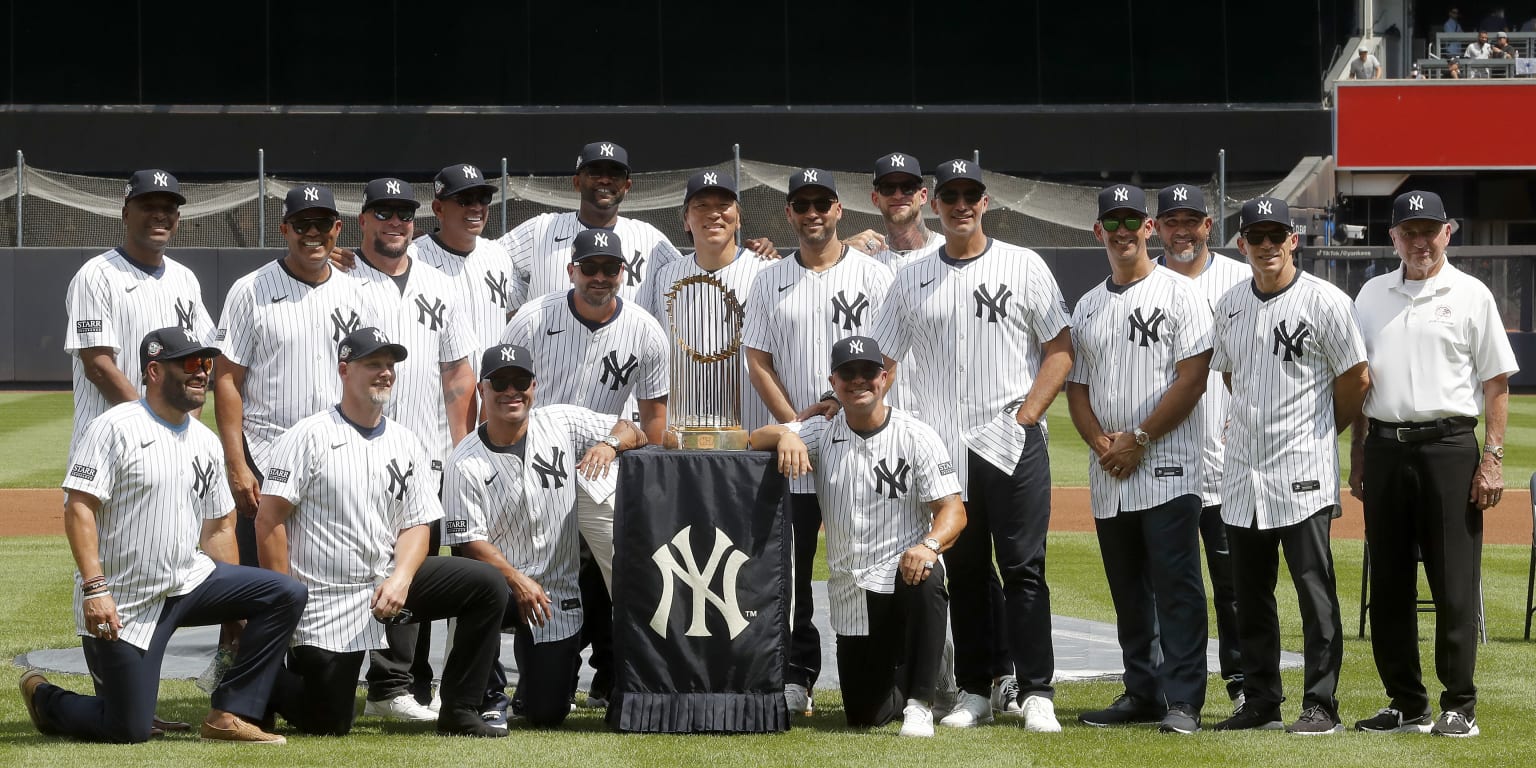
(701, 585)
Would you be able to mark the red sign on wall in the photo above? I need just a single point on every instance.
(1435, 125)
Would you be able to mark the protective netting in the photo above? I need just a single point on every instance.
(68, 210)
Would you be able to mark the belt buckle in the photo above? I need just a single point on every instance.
(1400, 431)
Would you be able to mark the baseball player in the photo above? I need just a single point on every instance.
(1141, 345)
(1439, 357)
(121, 295)
(797, 308)
(1294, 361)
(345, 507)
(892, 504)
(900, 196)
(1184, 227)
(149, 526)
(984, 332)
(507, 501)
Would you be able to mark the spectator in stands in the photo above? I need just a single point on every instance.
(1452, 70)
(1366, 67)
(1452, 25)
(1478, 50)
(1501, 48)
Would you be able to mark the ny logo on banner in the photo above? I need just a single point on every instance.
(849, 313)
(498, 286)
(896, 479)
(728, 566)
(430, 315)
(634, 267)
(1146, 326)
(552, 469)
(341, 327)
(397, 478)
(996, 303)
(1291, 341)
(202, 480)
(186, 314)
(619, 373)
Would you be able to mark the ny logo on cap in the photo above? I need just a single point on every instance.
(897, 161)
(470, 172)
(856, 347)
(1416, 203)
(606, 150)
(161, 180)
(190, 338)
(1180, 194)
(392, 187)
(1121, 195)
(311, 193)
(600, 240)
(1266, 208)
(957, 167)
(710, 178)
(810, 176)
(508, 354)
(379, 337)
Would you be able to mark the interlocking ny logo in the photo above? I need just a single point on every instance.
(185, 315)
(995, 302)
(892, 483)
(1181, 194)
(1416, 203)
(312, 193)
(341, 327)
(957, 166)
(606, 150)
(635, 268)
(1266, 207)
(202, 480)
(897, 161)
(1146, 326)
(1291, 341)
(619, 373)
(397, 478)
(600, 239)
(392, 187)
(856, 347)
(688, 571)
(508, 355)
(849, 313)
(710, 178)
(470, 172)
(162, 180)
(809, 177)
(1121, 194)
(430, 315)
(552, 469)
(498, 286)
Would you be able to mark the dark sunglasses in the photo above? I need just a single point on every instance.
(822, 204)
(466, 199)
(852, 371)
(193, 365)
(888, 188)
(519, 383)
(609, 268)
(952, 196)
(322, 223)
(1257, 237)
(405, 215)
(1129, 222)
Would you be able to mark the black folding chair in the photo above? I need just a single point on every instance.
(1530, 580)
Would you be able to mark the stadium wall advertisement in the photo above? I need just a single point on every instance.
(1449, 125)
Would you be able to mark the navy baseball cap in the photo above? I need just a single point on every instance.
(710, 180)
(1262, 209)
(1418, 205)
(364, 342)
(897, 162)
(173, 343)
(811, 177)
(456, 178)
(856, 349)
(954, 170)
(389, 190)
(599, 151)
(597, 242)
(1122, 196)
(303, 198)
(505, 356)
(150, 181)
(1180, 197)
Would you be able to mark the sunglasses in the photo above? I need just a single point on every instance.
(822, 204)
(1257, 237)
(952, 196)
(1129, 222)
(466, 199)
(322, 224)
(609, 268)
(853, 371)
(888, 188)
(518, 383)
(405, 215)
(193, 365)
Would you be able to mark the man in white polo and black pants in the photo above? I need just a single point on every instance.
(1439, 357)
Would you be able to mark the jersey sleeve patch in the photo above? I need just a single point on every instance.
(458, 526)
(277, 475)
(947, 468)
(87, 326)
(83, 472)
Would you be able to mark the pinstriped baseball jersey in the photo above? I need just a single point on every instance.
(114, 302)
(285, 332)
(1284, 351)
(1128, 341)
(874, 492)
(1219, 275)
(524, 507)
(425, 317)
(353, 490)
(541, 248)
(157, 483)
(898, 260)
(968, 335)
(737, 276)
(487, 291)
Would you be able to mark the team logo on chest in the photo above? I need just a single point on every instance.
(340, 326)
(615, 375)
(849, 314)
(994, 302)
(186, 314)
(636, 269)
(892, 482)
(397, 478)
(551, 470)
(1291, 341)
(202, 477)
(498, 286)
(1146, 327)
(430, 315)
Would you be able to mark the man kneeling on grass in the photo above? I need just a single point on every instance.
(891, 504)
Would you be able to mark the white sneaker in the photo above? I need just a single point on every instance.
(1005, 696)
(1040, 715)
(971, 709)
(402, 707)
(436, 705)
(798, 698)
(917, 720)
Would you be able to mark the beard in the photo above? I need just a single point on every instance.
(394, 253)
(380, 398)
(177, 396)
(1184, 258)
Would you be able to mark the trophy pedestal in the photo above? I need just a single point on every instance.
(706, 438)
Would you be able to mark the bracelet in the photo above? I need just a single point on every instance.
(95, 582)
(95, 595)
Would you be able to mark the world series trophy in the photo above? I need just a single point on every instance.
(704, 406)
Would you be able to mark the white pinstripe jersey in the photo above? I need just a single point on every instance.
(524, 507)
(541, 249)
(486, 289)
(353, 491)
(737, 276)
(1219, 275)
(874, 493)
(285, 332)
(968, 335)
(1128, 341)
(157, 483)
(112, 302)
(1284, 352)
(899, 260)
(426, 318)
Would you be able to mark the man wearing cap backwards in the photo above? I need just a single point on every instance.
(797, 309)
(1184, 227)
(984, 332)
(1365, 66)
(152, 536)
(900, 196)
(892, 504)
(345, 509)
(1439, 357)
(1142, 344)
(500, 506)
(1294, 361)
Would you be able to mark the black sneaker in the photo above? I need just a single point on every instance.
(1252, 717)
(1455, 724)
(1389, 720)
(1315, 721)
(1126, 710)
(466, 722)
(1181, 718)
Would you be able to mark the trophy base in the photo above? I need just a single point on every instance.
(706, 439)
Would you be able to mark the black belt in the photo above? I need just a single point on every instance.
(1421, 431)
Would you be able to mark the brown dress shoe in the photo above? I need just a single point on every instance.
(242, 733)
(30, 680)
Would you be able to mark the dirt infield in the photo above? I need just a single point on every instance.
(34, 512)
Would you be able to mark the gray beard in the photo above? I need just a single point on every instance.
(379, 399)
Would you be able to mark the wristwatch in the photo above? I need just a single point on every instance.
(932, 544)
(1496, 450)
(612, 442)
(1142, 438)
